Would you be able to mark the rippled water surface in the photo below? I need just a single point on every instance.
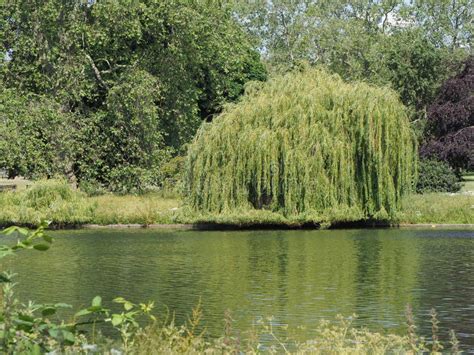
(298, 277)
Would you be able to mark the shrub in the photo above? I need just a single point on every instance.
(129, 179)
(436, 176)
(46, 192)
(52, 200)
(171, 173)
(92, 188)
(305, 142)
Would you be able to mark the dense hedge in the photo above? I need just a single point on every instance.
(436, 176)
(306, 142)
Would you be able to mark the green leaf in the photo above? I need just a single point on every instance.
(12, 229)
(4, 278)
(48, 311)
(131, 315)
(9, 230)
(26, 318)
(23, 324)
(117, 319)
(54, 333)
(35, 350)
(47, 238)
(97, 301)
(68, 336)
(82, 312)
(41, 247)
(45, 223)
(96, 309)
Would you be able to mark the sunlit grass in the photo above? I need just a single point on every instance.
(437, 208)
(468, 183)
(19, 184)
(48, 200)
(143, 209)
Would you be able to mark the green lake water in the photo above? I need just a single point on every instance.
(298, 277)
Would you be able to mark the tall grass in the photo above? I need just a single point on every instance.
(52, 200)
(142, 209)
(331, 337)
(308, 143)
(339, 336)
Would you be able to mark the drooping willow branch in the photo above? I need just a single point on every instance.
(305, 142)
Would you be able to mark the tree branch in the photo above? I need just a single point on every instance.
(96, 72)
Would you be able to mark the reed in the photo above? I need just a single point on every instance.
(305, 142)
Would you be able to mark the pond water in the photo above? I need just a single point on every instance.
(298, 277)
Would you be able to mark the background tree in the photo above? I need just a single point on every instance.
(450, 129)
(447, 23)
(128, 128)
(36, 139)
(390, 42)
(90, 58)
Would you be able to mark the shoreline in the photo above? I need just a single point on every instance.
(262, 226)
(217, 226)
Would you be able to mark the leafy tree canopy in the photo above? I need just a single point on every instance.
(140, 76)
(411, 46)
(450, 129)
(36, 138)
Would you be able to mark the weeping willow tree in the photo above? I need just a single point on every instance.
(306, 142)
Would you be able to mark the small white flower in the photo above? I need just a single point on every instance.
(89, 347)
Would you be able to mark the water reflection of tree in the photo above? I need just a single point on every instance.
(446, 276)
(387, 266)
(297, 276)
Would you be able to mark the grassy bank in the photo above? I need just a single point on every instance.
(64, 207)
(468, 183)
(437, 208)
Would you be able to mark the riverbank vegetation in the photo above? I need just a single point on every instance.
(162, 335)
(68, 208)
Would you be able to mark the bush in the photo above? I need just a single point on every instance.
(46, 192)
(436, 176)
(171, 173)
(52, 200)
(129, 179)
(92, 188)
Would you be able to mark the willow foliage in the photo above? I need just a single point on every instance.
(305, 142)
